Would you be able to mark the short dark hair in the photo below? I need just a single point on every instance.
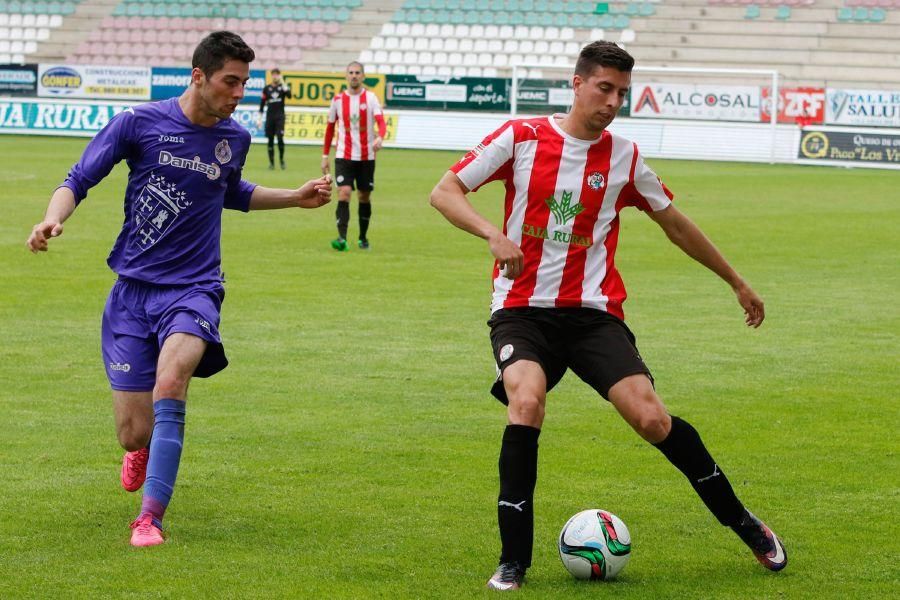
(219, 46)
(275, 70)
(603, 54)
(356, 62)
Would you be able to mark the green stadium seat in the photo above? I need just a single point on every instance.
(752, 12)
(517, 18)
(861, 14)
(602, 8)
(621, 22)
(647, 9)
(783, 13)
(845, 14)
(877, 15)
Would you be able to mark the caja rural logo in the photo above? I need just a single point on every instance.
(61, 80)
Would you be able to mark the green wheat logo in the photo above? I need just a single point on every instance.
(565, 210)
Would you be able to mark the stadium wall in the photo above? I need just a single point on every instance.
(657, 138)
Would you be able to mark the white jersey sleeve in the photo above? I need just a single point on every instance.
(649, 193)
(488, 161)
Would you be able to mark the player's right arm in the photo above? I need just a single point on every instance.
(449, 198)
(105, 150)
(329, 135)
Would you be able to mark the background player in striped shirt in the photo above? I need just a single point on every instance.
(357, 113)
(161, 323)
(557, 301)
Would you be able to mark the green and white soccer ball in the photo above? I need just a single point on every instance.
(594, 544)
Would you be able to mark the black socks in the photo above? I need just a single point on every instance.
(365, 213)
(518, 474)
(684, 449)
(342, 212)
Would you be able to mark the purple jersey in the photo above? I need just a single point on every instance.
(181, 177)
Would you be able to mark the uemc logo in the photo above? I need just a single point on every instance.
(61, 80)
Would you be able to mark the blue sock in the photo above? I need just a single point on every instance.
(165, 454)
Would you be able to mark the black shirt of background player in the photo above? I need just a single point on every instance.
(273, 97)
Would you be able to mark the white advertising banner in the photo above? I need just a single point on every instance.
(862, 107)
(95, 82)
(702, 102)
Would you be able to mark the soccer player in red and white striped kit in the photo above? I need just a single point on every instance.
(557, 300)
(357, 113)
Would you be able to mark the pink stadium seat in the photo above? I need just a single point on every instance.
(277, 39)
(317, 27)
(121, 35)
(108, 22)
(320, 41)
(332, 27)
(260, 26)
(263, 39)
(164, 37)
(291, 40)
(279, 53)
(250, 38)
(149, 36)
(301, 26)
(306, 41)
(294, 54)
(176, 23)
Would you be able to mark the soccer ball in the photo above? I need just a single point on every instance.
(594, 544)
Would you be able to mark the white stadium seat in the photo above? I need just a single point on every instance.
(597, 34)
(30, 47)
(470, 59)
(425, 58)
(489, 72)
(459, 71)
(406, 43)
(402, 29)
(566, 34)
(15, 20)
(495, 46)
(521, 32)
(444, 71)
(414, 70)
(43, 33)
(451, 45)
(4, 46)
(536, 32)
(627, 36)
(28, 20)
(511, 46)
(377, 43)
(29, 34)
(417, 30)
(462, 31)
(16, 33)
(506, 31)
(526, 46)
(485, 60)
(477, 31)
(398, 70)
(480, 46)
(17, 47)
(380, 56)
(4, 19)
(572, 48)
(55, 20)
(42, 21)
(446, 30)
(491, 31)
(366, 56)
(551, 33)
(388, 29)
(454, 58)
(474, 72)
(395, 57)
(440, 58)
(541, 47)
(391, 43)
(436, 44)
(557, 48)
(421, 43)
(466, 45)
(500, 60)
(432, 30)
(429, 70)
(4, 33)
(5, 58)
(383, 69)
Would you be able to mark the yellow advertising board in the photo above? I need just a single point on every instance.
(309, 88)
(309, 126)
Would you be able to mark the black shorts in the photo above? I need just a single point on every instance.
(358, 174)
(597, 346)
(274, 125)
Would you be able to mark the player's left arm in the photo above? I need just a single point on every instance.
(312, 194)
(685, 234)
(378, 142)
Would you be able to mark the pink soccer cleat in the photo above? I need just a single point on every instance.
(145, 533)
(766, 546)
(134, 469)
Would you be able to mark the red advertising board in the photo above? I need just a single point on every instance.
(804, 105)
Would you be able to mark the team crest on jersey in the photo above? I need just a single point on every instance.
(363, 106)
(595, 180)
(156, 209)
(223, 152)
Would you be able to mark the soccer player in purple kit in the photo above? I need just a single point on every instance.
(160, 324)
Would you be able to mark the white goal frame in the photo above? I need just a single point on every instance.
(773, 97)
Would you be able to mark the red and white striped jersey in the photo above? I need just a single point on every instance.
(355, 115)
(563, 197)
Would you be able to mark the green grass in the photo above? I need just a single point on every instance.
(350, 449)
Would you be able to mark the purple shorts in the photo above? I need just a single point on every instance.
(139, 317)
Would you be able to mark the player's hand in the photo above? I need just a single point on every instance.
(378, 143)
(510, 258)
(315, 193)
(41, 234)
(325, 167)
(752, 304)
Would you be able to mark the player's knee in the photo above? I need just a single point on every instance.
(171, 384)
(526, 407)
(653, 424)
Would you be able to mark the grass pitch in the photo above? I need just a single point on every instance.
(350, 449)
